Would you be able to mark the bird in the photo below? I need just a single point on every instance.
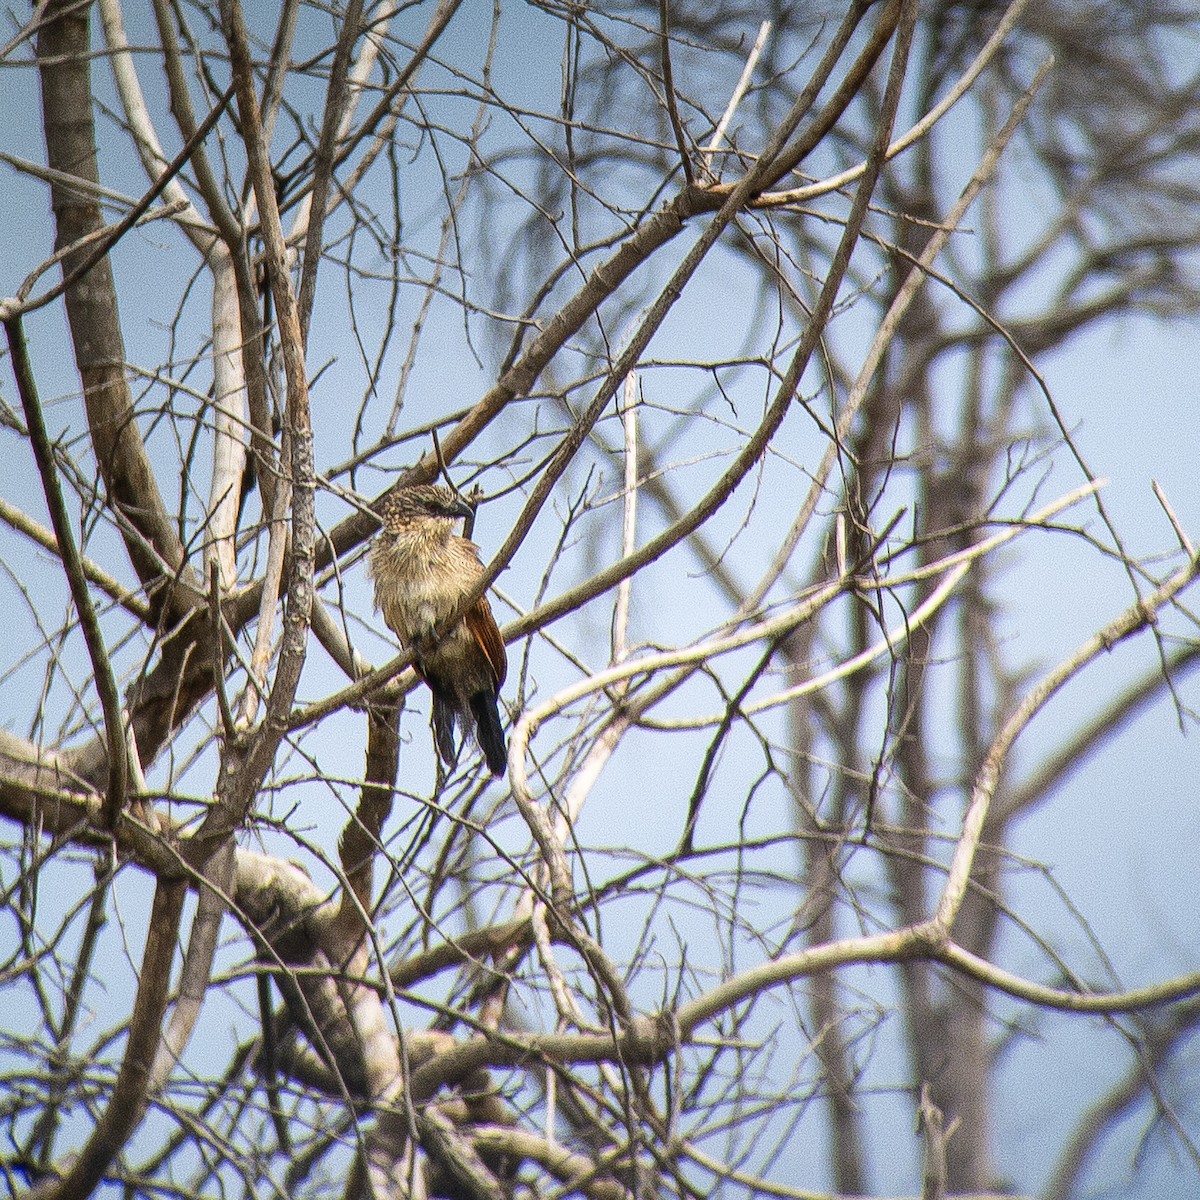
(423, 570)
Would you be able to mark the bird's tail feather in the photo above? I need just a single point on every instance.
(443, 728)
(486, 712)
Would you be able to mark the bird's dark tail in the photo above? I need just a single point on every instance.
(443, 727)
(492, 742)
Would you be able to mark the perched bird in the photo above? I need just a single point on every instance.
(423, 570)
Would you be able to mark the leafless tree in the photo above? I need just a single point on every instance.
(730, 324)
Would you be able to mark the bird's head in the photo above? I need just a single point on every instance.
(422, 506)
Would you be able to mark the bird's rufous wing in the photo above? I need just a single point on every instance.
(486, 632)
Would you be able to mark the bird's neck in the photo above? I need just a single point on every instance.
(419, 546)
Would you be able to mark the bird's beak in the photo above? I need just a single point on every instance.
(460, 508)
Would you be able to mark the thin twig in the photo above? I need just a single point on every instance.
(668, 77)
(629, 423)
(130, 601)
(127, 1102)
(333, 121)
(735, 98)
(102, 672)
(18, 306)
(1176, 525)
(1138, 616)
